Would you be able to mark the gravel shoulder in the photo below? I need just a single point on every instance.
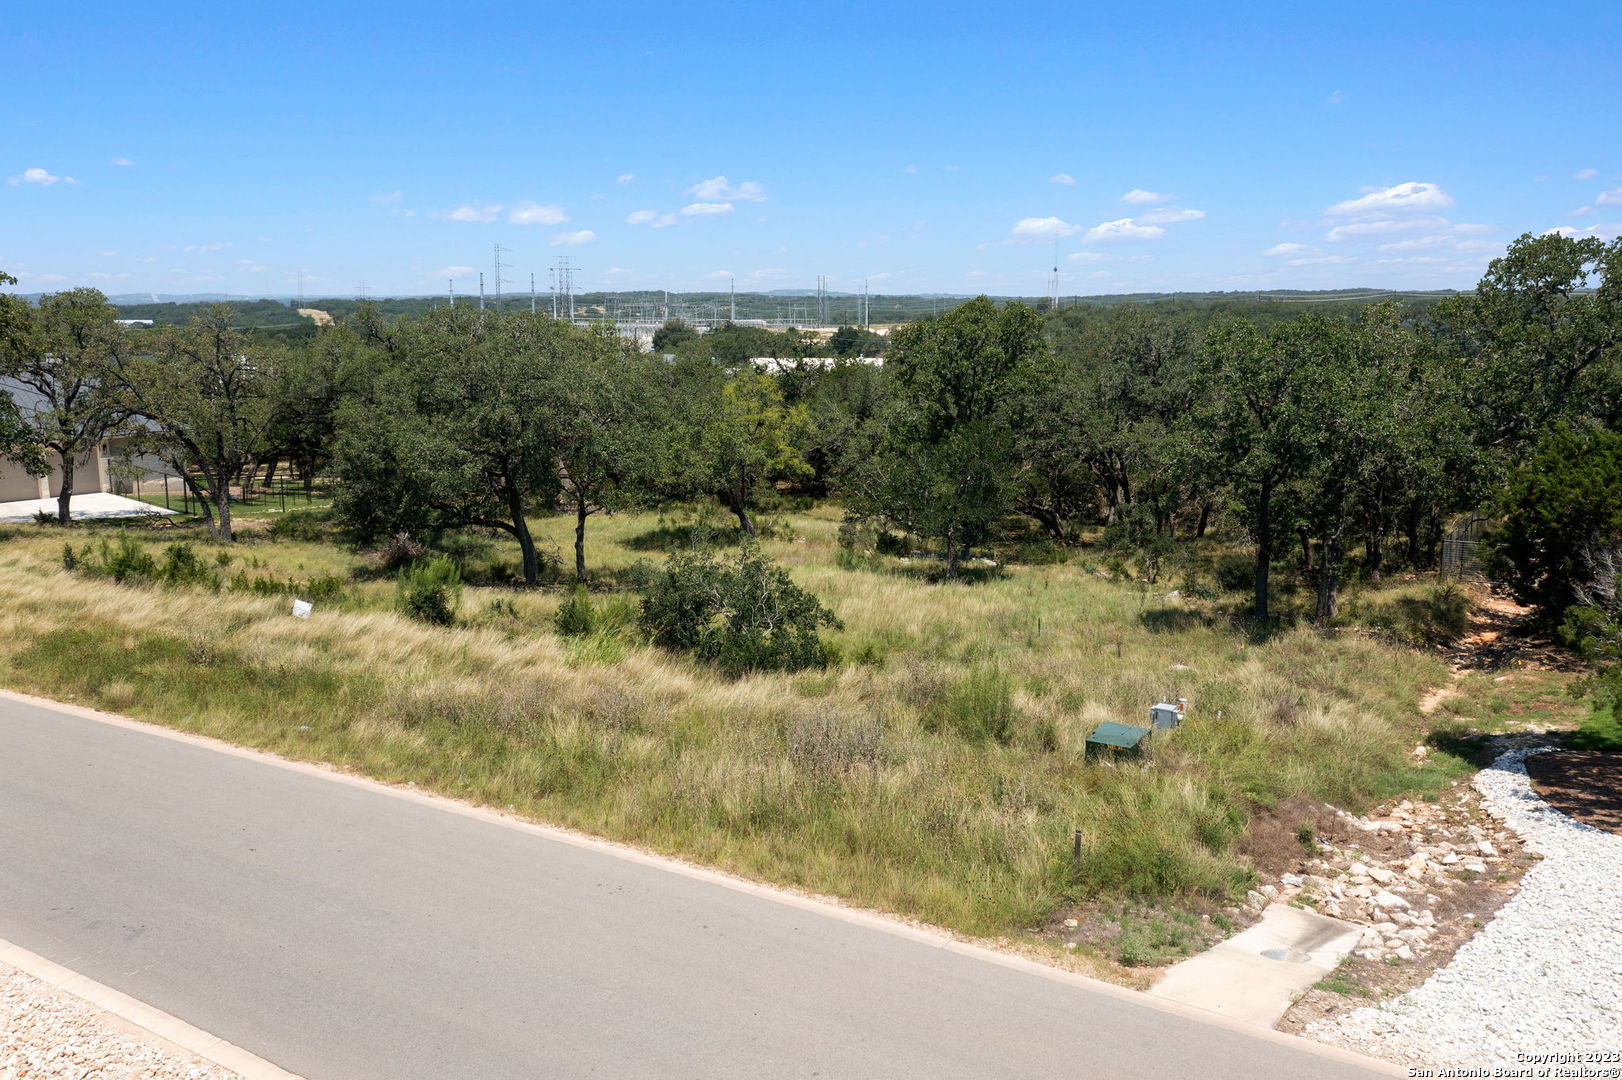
(1544, 976)
(49, 1034)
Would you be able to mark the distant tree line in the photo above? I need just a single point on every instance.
(1342, 439)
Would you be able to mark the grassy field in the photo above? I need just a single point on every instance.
(937, 771)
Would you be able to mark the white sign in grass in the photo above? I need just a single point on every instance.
(302, 609)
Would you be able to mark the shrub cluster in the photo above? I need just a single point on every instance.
(746, 617)
(430, 590)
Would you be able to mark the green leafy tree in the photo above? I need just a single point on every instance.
(1543, 331)
(456, 426)
(206, 395)
(1563, 502)
(729, 437)
(61, 355)
(15, 443)
(603, 416)
(1119, 419)
(1267, 383)
(672, 335)
(945, 462)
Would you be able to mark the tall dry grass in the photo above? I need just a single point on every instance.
(939, 772)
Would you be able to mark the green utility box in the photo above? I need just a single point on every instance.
(1112, 738)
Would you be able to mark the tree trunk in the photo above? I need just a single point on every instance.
(1205, 519)
(1328, 605)
(222, 506)
(735, 500)
(1264, 549)
(1374, 555)
(1306, 552)
(64, 511)
(526, 542)
(270, 472)
(1047, 519)
(580, 513)
(952, 552)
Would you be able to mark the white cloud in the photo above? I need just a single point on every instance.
(718, 190)
(1138, 195)
(529, 213)
(476, 212)
(702, 208)
(1585, 174)
(579, 236)
(1289, 249)
(640, 217)
(1333, 99)
(122, 161)
(911, 169)
(1314, 260)
(200, 249)
(1043, 228)
(108, 254)
(1441, 241)
(1609, 198)
(41, 177)
(1061, 178)
(388, 197)
(1124, 229)
(1399, 198)
(1166, 215)
(624, 178)
(1384, 227)
(1086, 256)
(720, 274)
(1607, 231)
(453, 271)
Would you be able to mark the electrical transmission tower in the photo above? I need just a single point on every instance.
(500, 266)
(822, 300)
(563, 275)
(450, 287)
(1053, 279)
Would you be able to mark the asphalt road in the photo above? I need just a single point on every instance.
(344, 932)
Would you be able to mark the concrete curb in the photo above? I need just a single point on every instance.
(169, 1028)
(825, 906)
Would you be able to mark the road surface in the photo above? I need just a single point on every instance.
(342, 931)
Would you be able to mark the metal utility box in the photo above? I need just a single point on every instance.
(1116, 738)
(1164, 717)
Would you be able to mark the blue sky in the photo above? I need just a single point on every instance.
(207, 147)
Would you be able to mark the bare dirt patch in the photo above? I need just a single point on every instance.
(319, 317)
(1582, 784)
(1501, 635)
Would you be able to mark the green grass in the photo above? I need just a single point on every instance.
(1599, 731)
(1340, 984)
(938, 772)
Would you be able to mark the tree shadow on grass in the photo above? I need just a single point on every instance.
(668, 537)
(1175, 620)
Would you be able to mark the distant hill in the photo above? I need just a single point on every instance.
(798, 307)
